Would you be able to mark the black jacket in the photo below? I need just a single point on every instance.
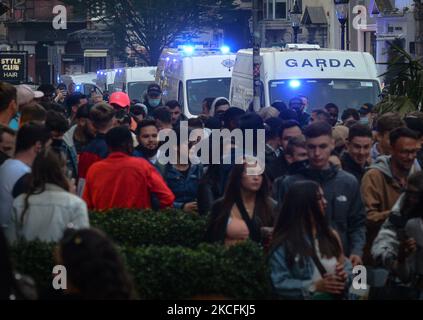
(3, 157)
(345, 209)
(218, 222)
(293, 168)
(208, 193)
(276, 166)
(349, 165)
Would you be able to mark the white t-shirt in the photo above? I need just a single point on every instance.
(10, 172)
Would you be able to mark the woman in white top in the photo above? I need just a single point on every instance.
(306, 257)
(49, 207)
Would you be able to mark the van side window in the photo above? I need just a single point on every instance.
(181, 94)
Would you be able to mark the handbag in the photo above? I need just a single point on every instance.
(322, 271)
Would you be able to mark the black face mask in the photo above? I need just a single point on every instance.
(57, 143)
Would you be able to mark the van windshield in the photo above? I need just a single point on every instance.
(345, 93)
(136, 89)
(198, 90)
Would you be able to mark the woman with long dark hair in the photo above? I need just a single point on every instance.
(245, 210)
(95, 270)
(306, 256)
(49, 207)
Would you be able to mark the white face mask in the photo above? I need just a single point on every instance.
(364, 120)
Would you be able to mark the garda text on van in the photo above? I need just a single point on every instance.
(318, 63)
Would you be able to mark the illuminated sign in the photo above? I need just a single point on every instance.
(13, 67)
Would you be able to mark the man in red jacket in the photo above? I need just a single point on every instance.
(123, 181)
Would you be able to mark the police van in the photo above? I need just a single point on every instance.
(345, 78)
(134, 81)
(105, 79)
(191, 74)
(84, 82)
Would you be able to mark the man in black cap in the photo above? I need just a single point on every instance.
(153, 97)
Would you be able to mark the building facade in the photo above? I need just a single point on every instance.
(82, 46)
(395, 23)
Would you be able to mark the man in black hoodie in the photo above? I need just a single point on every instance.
(297, 159)
(345, 210)
(359, 146)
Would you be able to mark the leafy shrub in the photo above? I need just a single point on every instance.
(171, 272)
(134, 228)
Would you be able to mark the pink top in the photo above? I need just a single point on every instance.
(236, 231)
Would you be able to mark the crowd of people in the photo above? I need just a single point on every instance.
(336, 192)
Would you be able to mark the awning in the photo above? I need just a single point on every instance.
(314, 15)
(97, 53)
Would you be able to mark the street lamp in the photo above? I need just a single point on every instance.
(296, 13)
(341, 7)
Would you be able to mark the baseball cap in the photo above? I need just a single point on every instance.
(154, 90)
(25, 94)
(120, 98)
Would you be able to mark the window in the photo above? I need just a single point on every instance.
(198, 90)
(346, 93)
(136, 90)
(412, 47)
(269, 9)
(280, 9)
(275, 9)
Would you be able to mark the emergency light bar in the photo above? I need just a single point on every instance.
(301, 46)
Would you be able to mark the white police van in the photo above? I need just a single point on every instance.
(105, 79)
(84, 82)
(345, 78)
(134, 81)
(191, 74)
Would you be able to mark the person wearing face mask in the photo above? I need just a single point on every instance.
(366, 114)
(219, 107)
(297, 104)
(153, 98)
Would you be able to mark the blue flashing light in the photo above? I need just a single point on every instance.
(225, 49)
(78, 87)
(294, 84)
(189, 50)
(174, 60)
(167, 59)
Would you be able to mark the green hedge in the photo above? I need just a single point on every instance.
(134, 228)
(171, 272)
